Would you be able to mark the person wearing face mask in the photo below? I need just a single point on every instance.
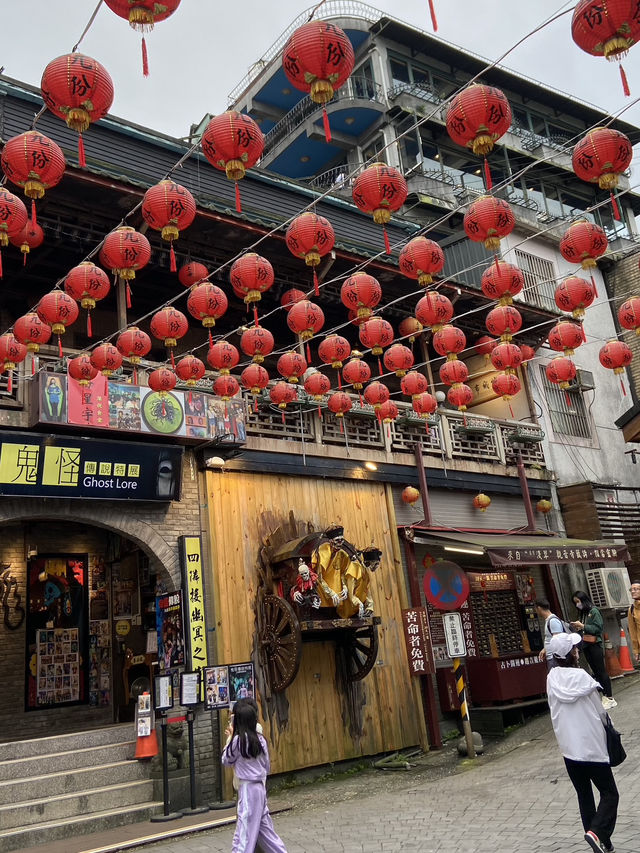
(634, 619)
(592, 627)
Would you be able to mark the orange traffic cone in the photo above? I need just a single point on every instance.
(625, 657)
(611, 661)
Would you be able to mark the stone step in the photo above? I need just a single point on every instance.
(64, 743)
(73, 805)
(25, 790)
(72, 759)
(43, 833)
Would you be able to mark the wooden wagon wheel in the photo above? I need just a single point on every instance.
(281, 641)
(360, 651)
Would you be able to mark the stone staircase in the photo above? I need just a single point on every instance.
(73, 784)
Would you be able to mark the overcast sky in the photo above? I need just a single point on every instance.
(202, 52)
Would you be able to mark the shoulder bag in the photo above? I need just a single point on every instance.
(614, 744)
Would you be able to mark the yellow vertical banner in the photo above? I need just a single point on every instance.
(195, 628)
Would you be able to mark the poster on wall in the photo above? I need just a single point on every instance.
(216, 687)
(56, 631)
(241, 682)
(170, 630)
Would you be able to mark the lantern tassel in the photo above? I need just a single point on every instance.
(308, 354)
(625, 82)
(82, 161)
(33, 213)
(593, 285)
(496, 261)
(190, 397)
(173, 361)
(89, 327)
(325, 122)
(238, 201)
(59, 346)
(616, 209)
(33, 365)
(283, 420)
(567, 399)
(24, 259)
(341, 426)
(511, 412)
(387, 244)
(164, 408)
(135, 375)
(255, 403)
(316, 286)
(145, 59)
(379, 367)
(172, 260)
(10, 382)
(432, 12)
(426, 426)
(624, 390)
(210, 339)
(255, 314)
(487, 175)
(128, 291)
(339, 380)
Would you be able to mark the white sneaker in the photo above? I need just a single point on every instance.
(608, 703)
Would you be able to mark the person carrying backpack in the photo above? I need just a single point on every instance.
(552, 625)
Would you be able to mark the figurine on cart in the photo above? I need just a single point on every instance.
(330, 560)
(358, 582)
(303, 592)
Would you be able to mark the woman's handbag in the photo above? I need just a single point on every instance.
(589, 638)
(614, 744)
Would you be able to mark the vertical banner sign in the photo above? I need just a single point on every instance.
(454, 635)
(196, 628)
(418, 641)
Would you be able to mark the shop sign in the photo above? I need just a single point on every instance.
(491, 581)
(123, 626)
(455, 638)
(45, 466)
(584, 554)
(196, 627)
(445, 585)
(418, 641)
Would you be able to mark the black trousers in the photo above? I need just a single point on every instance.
(603, 819)
(594, 654)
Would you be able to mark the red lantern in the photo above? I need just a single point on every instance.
(58, 310)
(482, 502)
(311, 237)
(485, 346)
(356, 372)
(421, 259)
(527, 353)
(435, 310)
(291, 365)
(615, 355)
(12, 352)
(424, 405)
(124, 251)
(168, 208)
(410, 495)
(142, 15)
(169, 325)
(305, 319)
(29, 238)
(629, 314)
(106, 358)
(226, 387)
(607, 28)
(361, 293)
(477, 117)
(282, 394)
(162, 381)
(376, 334)
(506, 385)
(190, 369)
(414, 384)
(223, 357)
(33, 162)
(192, 273)
(502, 281)
(449, 341)
(410, 328)
(339, 403)
(561, 371)
(334, 350)
(291, 296)
(507, 357)
(257, 342)
(87, 284)
(380, 190)
(251, 275)
(574, 294)
(388, 411)
(134, 344)
(452, 372)
(31, 331)
(398, 359)
(81, 369)
(207, 303)
(233, 142)
(603, 155)
(460, 395)
(376, 393)
(318, 58)
(582, 243)
(317, 385)
(566, 337)
(78, 90)
(544, 506)
(13, 218)
(504, 321)
(254, 378)
(488, 220)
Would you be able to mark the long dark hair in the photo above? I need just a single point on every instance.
(245, 721)
(584, 599)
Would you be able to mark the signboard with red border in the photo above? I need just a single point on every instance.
(446, 585)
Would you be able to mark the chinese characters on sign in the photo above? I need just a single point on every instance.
(196, 628)
(468, 630)
(454, 635)
(583, 554)
(418, 641)
(491, 581)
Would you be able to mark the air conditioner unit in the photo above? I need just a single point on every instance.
(584, 380)
(609, 587)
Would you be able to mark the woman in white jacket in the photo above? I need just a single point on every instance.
(578, 722)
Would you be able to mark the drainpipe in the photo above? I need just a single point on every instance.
(528, 506)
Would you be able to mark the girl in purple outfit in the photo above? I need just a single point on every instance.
(247, 753)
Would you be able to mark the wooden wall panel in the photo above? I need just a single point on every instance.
(243, 508)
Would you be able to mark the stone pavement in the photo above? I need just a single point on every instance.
(516, 800)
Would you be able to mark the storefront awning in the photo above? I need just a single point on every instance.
(522, 549)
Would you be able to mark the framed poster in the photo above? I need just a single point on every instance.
(190, 688)
(170, 630)
(216, 687)
(163, 693)
(241, 682)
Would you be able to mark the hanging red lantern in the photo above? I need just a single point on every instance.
(251, 275)
(485, 346)
(356, 373)
(81, 369)
(58, 310)
(615, 355)
(168, 208)
(574, 294)
(13, 218)
(134, 344)
(527, 353)
(410, 495)
(254, 378)
(503, 322)
(413, 384)
(226, 387)
(388, 412)
(452, 372)
(449, 341)
(142, 16)
(602, 156)
(125, 251)
(582, 243)
(169, 325)
(78, 90)
(317, 385)
(376, 334)
(311, 237)
(305, 318)
(35, 163)
(106, 358)
(380, 190)
(162, 381)
(361, 293)
(482, 502)
(207, 303)
(334, 350)
(566, 337)
(257, 342)
(488, 220)
(291, 366)
(192, 273)
(32, 331)
(421, 259)
(544, 506)
(629, 314)
(339, 403)
(607, 28)
(502, 281)
(376, 393)
(424, 405)
(506, 385)
(398, 359)
(283, 393)
(291, 296)
(29, 238)
(561, 371)
(460, 395)
(223, 357)
(87, 284)
(410, 328)
(233, 143)
(435, 310)
(507, 357)
(318, 58)
(12, 352)
(190, 370)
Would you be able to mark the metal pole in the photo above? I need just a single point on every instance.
(192, 768)
(166, 814)
(528, 506)
(464, 708)
(422, 480)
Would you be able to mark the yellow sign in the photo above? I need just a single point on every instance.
(19, 463)
(123, 626)
(196, 628)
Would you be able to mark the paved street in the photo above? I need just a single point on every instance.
(517, 800)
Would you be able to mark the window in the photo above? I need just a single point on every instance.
(568, 413)
(539, 279)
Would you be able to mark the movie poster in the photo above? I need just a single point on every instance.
(170, 629)
(241, 682)
(216, 687)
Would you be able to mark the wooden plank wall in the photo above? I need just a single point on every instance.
(243, 508)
